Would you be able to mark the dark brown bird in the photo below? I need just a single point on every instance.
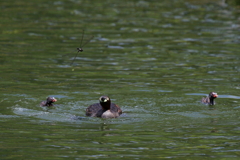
(104, 109)
(210, 98)
(48, 102)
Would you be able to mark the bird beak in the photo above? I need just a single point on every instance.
(54, 100)
(215, 95)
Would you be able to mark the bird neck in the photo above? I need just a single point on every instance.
(211, 101)
(106, 105)
(49, 103)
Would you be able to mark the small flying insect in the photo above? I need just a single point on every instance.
(80, 49)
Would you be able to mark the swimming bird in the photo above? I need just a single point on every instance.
(48, 102)
(104, 109)
(210, 98)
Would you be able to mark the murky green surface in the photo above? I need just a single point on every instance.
(155, 59)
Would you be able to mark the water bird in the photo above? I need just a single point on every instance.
(48, 102)
(80, 49)
(210, 98)
(104, 109)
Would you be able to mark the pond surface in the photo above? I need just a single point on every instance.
(155, 59)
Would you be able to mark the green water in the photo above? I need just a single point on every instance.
(155, 59)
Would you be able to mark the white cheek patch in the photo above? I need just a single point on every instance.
(105, 100)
